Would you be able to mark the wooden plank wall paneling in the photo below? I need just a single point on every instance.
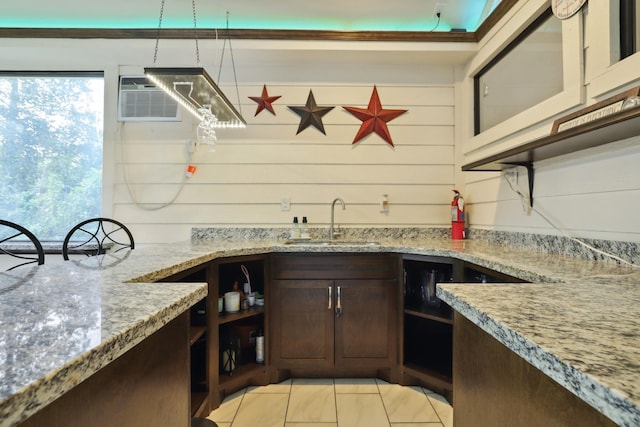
(242, 182)
(592, 194)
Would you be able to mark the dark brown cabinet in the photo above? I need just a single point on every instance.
(487, 374)
(302, 324)
(326, 315)
(334, 315)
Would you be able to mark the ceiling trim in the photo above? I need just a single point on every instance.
(183, 33)
(491, 20)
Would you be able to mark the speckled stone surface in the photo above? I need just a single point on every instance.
(629, 251)
(577, 322)
(59, 324)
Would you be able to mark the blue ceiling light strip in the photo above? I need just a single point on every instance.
(474, 16)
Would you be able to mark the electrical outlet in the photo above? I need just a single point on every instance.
(437, 9)
(511, 175)
(285, 204)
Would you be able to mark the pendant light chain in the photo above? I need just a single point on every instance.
(195, 30)
(155, 52)
(233, 63)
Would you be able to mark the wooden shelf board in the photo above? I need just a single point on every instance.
(241, 372)
(622, 125)
(195, 332)
(243, 314)
(198, 402)
(442, 380)
(431, 313)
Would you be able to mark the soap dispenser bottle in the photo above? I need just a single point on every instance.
(304, 229)
(295, 229)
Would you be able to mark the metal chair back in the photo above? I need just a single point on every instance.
(21, 244)
(96, 236)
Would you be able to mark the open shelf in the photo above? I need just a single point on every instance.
(428, 345)
(195, 333)
(243, 314)
(242, 371)
(616, 127)
(238, 331)
(442, 314)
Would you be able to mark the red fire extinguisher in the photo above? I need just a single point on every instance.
(457, 217)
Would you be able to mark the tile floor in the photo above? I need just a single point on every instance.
(334, 403)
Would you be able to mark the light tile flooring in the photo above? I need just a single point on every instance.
(334, 403)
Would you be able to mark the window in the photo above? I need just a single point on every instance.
(629, 34)
(51, 133)
(528, 71)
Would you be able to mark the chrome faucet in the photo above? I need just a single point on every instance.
(333, 207)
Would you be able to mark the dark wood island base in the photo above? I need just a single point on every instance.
(492, 386)
(146, 386)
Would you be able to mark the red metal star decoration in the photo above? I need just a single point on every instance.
(311, 114)
(374, 118)
(264, 101)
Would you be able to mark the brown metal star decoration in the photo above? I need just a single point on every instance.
(311, 114)
(264, 101)
(374, 118)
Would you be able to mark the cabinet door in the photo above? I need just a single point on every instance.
(302, 324)
(366, 330)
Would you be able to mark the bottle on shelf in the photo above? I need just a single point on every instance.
(295, 229)
(260, 347)
(304, 228)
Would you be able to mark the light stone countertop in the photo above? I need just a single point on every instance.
(577, 322)
(59, 324)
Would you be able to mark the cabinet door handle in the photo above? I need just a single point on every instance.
(338, 303)
(329, 308)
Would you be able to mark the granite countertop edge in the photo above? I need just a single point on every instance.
(157, 262)
(604, 399)
(36, 395)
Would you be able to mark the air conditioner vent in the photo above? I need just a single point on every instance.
(140, 100)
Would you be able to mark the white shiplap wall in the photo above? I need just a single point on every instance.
(242, 182)
(593, 194)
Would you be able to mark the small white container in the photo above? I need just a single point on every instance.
(260, 349)
(232, 302)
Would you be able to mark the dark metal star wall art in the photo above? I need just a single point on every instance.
(374, 118)
(264, 101)
(310, 114)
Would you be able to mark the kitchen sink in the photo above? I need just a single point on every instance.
(332, 242)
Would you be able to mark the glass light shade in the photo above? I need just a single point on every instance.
(194, 89)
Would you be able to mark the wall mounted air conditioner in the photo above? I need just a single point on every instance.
(139, 100)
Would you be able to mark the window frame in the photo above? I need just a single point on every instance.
(52, 245)
(533, 122)
(501, 55)
(627, 28)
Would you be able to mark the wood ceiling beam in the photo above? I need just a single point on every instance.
(184, 33)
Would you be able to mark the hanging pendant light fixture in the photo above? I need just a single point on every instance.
(193, 88)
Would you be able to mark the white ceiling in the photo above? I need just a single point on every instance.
(344, 15)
